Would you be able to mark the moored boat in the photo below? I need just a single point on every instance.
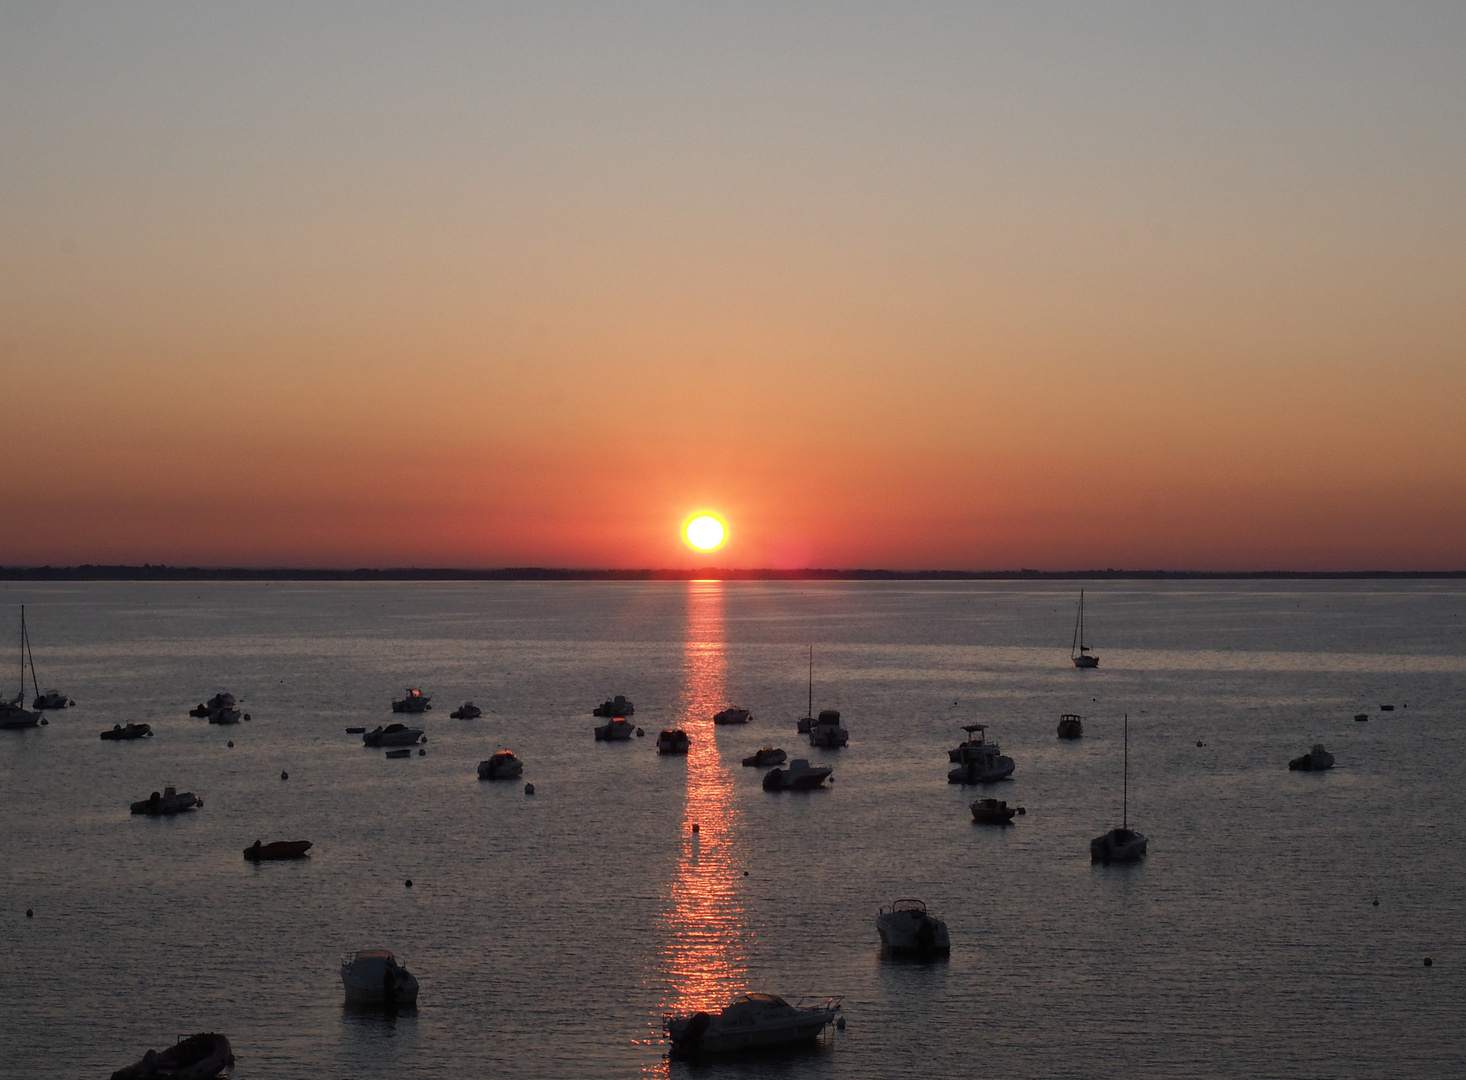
(673, 741)
(415, 702)
(392, 735)
(501, 765)
(467, 711)
(767, 755)
(1071, 726)
(196, 1057)
(1316, 759)
(259, 851)
(404, 752)
(906, 927)
(373, 977)
(749, 1022)
(828, 732)
(13, 713)
(617, 729)
(1122, 844)
(131, 731)
(991, 811)
(52, 699)
(732, 715)
(979, 761)
(170, 801)
(1078, 650)
(613, 707)
(799, 776)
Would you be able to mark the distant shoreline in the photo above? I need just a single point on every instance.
(148, 572)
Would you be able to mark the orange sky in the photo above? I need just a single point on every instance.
(1173, 288)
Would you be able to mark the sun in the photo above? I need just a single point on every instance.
(704, 532)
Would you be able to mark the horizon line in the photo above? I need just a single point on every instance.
(164, 572)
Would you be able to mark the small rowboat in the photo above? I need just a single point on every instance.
(406, 751)
(280, 849)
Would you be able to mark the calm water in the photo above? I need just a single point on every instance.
(551, 932)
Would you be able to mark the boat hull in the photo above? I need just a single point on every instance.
(380, 737)
(1086, 661)
(19, 718)
(280, 849)
(992, 812)
(197, 1057)
(128, 733)
(500, 770)
(1117, 848)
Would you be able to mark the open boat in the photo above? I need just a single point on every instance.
(1078, 650)
(467, 711)
(799, 776)
(991, 811)
(131, 731)
(617, 729)
(768, 755)
(168, 803)
(616, 706)
(907, 927)
(749, 1022)
(501, 765)
(392, 735)
(374, 977)
(1122, 844)
(280, 849)
(196, 1057)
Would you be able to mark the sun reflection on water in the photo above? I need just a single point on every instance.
(705, 927)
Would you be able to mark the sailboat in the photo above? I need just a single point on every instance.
(1079, 651)
(807, 722)
(13, 713)
(1122, 844)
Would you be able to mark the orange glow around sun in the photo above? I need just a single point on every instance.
(704, 532)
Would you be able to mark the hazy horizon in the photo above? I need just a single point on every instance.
(908, 286)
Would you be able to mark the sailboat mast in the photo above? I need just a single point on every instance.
(25, 640)
(1077, 646)
(809, 711)
(22, 650)
(1125, 797)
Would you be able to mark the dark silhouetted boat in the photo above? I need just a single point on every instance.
(13, 713)
(750, 1022)
(259, 851)
(616, 706)
(1078, 650)
(1122, 844)
(392, 735)
(673, 741)
(415, 702)
(1316, 759)
(767, 756)
(799, 776)
(1071, 726)
(131, 731)
(991, 811)
(501, 765)
(617, 729)
(196, 1057)
(732, 715)
(168, 803)
(467, 711)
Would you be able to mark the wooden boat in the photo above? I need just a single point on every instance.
(196, 1057)
(280, 849)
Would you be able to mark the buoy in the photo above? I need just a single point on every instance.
(745, 873)
(45, 722)
(422, 753)
(639, 733)
(284, 775)
(1200, 743)
(529, 789)
(423, 739)
(1376, 902)
(1427, 961)
(30, 913)
(1023, 809)
(231, 742)
(246, 716)
(840, 1022)
(694, 826)
(409, 883)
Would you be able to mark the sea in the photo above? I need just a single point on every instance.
(1283, 924)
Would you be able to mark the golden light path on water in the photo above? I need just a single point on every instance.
(705, 927)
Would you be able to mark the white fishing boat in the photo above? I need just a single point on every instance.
(502, 765)
(617, 729)
(1122, 844)
(1316, 759)
(374, 977)
(828, 732)
(1078, 650)
(906, 927)
(978, 761)
(749, 1022)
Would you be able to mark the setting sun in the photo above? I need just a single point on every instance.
(704, 532)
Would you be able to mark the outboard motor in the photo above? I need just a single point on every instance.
(696, 1028)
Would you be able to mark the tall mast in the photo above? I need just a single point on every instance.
(1125, 797)
(810, 708)
(22, 650)
(25, 639)
(1075, 647)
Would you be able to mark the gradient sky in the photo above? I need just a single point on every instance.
(944, 285)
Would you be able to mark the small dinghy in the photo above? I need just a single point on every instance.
(131, 731)
(280, 849)
(616, 706)
(1316, 759)
(799, 776)
(356, 731)
(673, 741)
(392, 735)
(405, 751)
(467, 711)
(732, 715)
(197, 1057)
(502, 765)
(768, 755)
(991, 811)
(170, 802)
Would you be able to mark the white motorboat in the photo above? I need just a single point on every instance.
(1122, 844)
(732, 715)
(1071, 726)
(828, 732)
(1315, 759)
(392, 735)
(749, 1022)
(52, 699)
(617, 729)
(907, 927)
(415, 702)
(673, 741)
(166, 804)
(978, 761)
(501, 765)
(799, 776)
(768, 755)
(374, 977)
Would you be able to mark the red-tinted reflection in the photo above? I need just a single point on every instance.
(703, 952)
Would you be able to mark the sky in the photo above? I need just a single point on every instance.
(959, 285)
